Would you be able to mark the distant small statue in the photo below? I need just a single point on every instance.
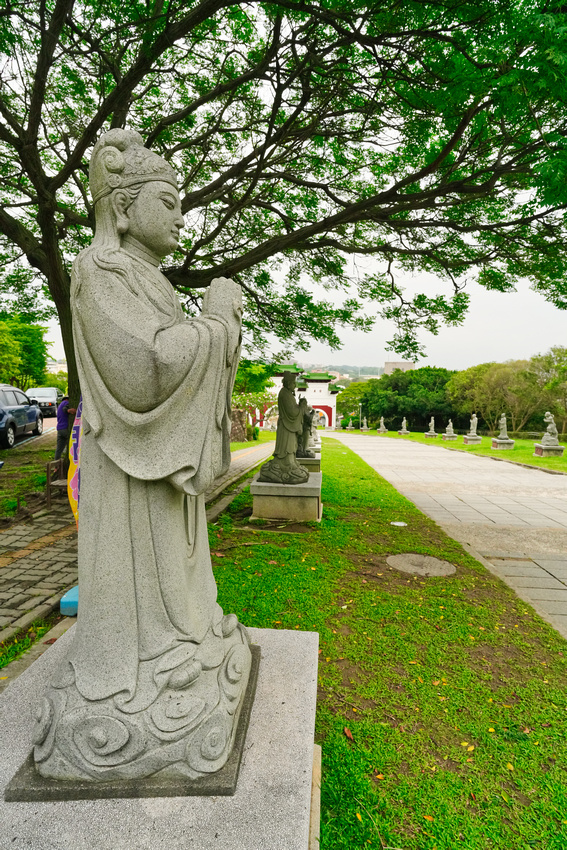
(449, 428)
(473, 425)
(404, 424)
(283, 467)
(304, 439)
(364, 424)
(432, 424)
(382, 427)
(551, 436)
(503, 435)
(350, 426)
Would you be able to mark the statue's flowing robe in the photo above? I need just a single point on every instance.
(156, 392)
(290, 423)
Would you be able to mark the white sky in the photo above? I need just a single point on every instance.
(499, 326)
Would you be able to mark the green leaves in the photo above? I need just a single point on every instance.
(426, 136)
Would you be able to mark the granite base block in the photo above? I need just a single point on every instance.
(471, 439)
(269, 811)
(448, 437)
(502, 445)
(292, 502)
(541, 450)
(29, 785)
(312, 464)
(404, 432)
(431, 436)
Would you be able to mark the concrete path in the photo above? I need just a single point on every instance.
(512, 518)
(38, 558)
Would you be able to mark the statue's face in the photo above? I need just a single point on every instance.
(289, 382)
(154, 218)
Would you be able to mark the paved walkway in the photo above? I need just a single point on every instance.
(513, 518)
(38, 558)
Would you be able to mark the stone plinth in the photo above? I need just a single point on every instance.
(497, 443)
(430, 434)
(448, 436)
(472, 439)
(404, 432)
(272, 805)
(541, 450)
(313, 464)
(295, 502)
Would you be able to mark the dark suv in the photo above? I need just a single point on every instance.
(18, 414)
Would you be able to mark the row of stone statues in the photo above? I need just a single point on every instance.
(550, 438)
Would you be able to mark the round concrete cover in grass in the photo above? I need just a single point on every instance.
(421, 565)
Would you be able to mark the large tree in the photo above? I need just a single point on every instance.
(417, 394)
(426, 135)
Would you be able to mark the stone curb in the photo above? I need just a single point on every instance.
(27, 619)
(212, 494)
(15, 668)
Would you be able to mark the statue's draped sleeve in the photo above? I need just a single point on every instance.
(156, 386)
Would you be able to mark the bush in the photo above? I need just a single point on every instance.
(252, 432)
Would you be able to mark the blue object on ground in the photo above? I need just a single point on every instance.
(70, 602)
(1, 464)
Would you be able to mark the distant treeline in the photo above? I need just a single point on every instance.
(522, 389)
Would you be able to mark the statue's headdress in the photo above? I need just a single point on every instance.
(120, 160)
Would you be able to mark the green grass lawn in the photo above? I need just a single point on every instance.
(523, 451)
(442, 702)
(23, 473)
(263, 437)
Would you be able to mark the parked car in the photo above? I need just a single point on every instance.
(48, 399)
(18, 415)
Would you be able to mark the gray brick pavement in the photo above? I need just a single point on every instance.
(506, 514)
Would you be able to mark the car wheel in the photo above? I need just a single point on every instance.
(8, 438)
(39, 426)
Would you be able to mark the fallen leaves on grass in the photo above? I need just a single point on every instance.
(348, 733)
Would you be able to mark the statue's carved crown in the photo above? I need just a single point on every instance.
(120, 160)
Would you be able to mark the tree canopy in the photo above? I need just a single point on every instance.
(426, 136)
(23, 351)
(417, 394)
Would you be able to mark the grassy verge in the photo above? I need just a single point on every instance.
(442, 701)
(263, 437)
(523, 451)
(20, 643)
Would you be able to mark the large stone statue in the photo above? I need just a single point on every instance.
(473, 425)
(304, 438)
(503, 435)
(551, 436)
(283, 467)
(449, 429)
(155, 677)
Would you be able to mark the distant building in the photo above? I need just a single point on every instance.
(391, 366)
(54, 366)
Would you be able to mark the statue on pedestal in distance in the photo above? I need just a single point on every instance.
(305, 438)
(283, 467)
(503, 435)
(155, 678)
(551, 436)
(473, 425)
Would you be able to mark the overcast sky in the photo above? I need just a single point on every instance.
(499, 326)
